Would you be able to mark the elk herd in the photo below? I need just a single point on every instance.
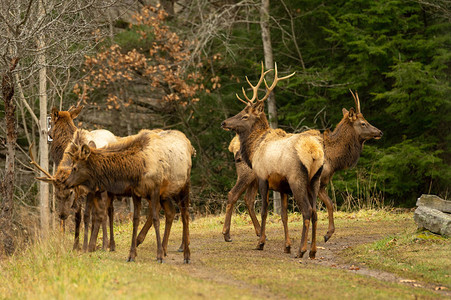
(95, 167)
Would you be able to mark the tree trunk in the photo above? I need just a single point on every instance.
(168, 6)
(43, 146)
(7, 184)
(269, 64)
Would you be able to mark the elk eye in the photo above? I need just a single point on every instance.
(245, 117)
(363, 124)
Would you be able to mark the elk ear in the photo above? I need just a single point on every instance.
(55, 114)
(259, 106)
(46, 179)
(92, 144)
(352, 115)
(85, 151)
(344, 111)
(74, 112)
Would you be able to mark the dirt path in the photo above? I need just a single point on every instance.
(328, 255)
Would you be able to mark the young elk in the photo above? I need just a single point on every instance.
(246, 181)
(67, 199)
(342, 149)
(152, 164)
(281, 162)
(63, 131)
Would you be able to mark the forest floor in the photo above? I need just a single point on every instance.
(373, 255)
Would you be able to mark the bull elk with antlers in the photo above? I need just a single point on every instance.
(342, 149)
(281, 162)
(152, 164)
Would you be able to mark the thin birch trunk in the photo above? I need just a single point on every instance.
(269, 64)
(43, 146)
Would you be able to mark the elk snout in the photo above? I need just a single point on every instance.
(63, 216)
(224, 126)
(378, 135)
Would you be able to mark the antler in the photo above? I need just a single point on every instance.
(273, 85)
(356, 100)
(254, 88)
(33, 162)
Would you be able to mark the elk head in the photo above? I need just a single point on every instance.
(79, 174)
(363, 129)
(67, 116)
(64, 197)
(253, 115)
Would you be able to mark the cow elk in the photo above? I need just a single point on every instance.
(97, 204)
(62, 131)
(281, 162)
(342, 149)
(155, 165)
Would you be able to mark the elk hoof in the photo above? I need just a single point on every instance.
(312, 254)
(287, 249)
(260, 246)
(130, 259)
(180, 249)
(139, 241)
(159, 260)
(300, 254)
(227, 237)
(326, 238)
(186, 261)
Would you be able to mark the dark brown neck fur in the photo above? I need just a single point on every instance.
(118, 168)
(249, 140)
(342, 147)
(63, 132)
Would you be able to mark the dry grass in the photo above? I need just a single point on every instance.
(218, 270)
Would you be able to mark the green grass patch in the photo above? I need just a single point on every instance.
(420, 256)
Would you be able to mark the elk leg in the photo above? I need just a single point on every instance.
(284, 215)
(330, 211)
(264, 192)
(306, 210)
(242, 183)
(104, 235)
(111, 221)
(169, 212)
(136, 212)
(142, 234)
(249, 199)
(300, 193)
(77, 228)
(154, 201)
(86, 220)
(313, 248)
(103, 212)
(97, 220)
(314, 189)
(184, 209)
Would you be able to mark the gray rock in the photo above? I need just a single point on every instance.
(434, 202)
(433, 220)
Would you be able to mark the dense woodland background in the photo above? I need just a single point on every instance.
(178, 64)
